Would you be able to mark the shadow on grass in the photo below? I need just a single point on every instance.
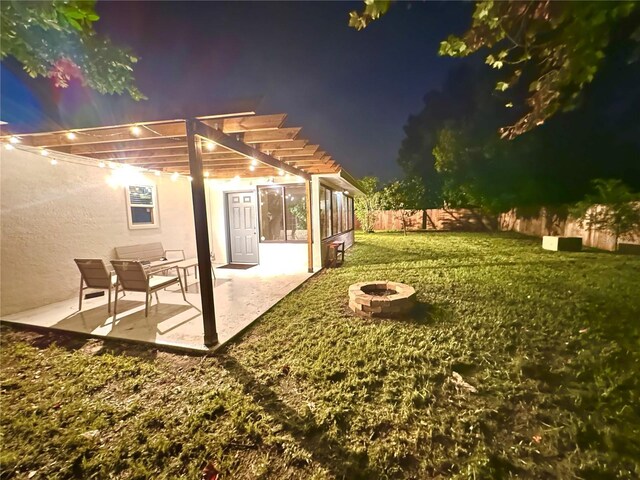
(332, 455)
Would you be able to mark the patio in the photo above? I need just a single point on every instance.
(236, 186)
(241, 296)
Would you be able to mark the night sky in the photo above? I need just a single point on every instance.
(350, 91)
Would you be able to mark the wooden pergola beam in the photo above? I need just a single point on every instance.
(202, 234)
(230, 142)
(245, 124)
(280, 135)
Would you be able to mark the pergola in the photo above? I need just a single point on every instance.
(222, 146)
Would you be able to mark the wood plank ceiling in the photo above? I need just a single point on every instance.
(162, 146)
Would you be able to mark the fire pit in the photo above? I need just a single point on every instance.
(381, 299)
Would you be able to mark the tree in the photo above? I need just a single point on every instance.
(368, 204)
(56, 39)
(613, 208)
(558, 47)
(402, 196)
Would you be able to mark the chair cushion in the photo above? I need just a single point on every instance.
(159, 281)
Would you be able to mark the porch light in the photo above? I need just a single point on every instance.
(136, 130)
(8, 146)
(175, 176)
(44, 152)
(252, 168)
(71, 136)
(14, 140)
(211, 146)
(101, 165)
(53, 161)
(346, 192)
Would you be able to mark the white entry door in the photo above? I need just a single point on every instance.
(243, 227)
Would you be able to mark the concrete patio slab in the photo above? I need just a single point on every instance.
(241, 296)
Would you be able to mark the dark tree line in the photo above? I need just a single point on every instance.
(453, 146)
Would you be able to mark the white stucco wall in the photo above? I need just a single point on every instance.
(53, 214)
(50, 215)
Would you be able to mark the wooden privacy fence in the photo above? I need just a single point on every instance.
(542, 223)
(433, 219)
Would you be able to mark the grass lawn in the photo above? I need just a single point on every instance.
(550, 341)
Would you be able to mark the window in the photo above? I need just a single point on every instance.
(142, 208)
(271, 215)
(283, 214)
(336, 208)
(295, 201)
(336, 212)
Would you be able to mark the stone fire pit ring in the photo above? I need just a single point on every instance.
(381, 298)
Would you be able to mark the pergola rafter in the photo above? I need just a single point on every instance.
(162, 145)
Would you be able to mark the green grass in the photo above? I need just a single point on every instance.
(550, 340)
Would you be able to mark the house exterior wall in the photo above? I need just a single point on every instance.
(53, 214)
(285, 256)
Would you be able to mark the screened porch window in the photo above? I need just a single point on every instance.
(336, 212)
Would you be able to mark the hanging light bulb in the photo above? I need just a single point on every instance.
(136, 130)
(71, 136)
(14, 140)
(175, 176)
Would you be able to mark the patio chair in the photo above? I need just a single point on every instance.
(133, 277)
(94, 275)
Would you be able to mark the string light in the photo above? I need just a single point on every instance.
(101, 165)
(281, 172)
(44, 152)
(53, 161)
(252, 168)
(8, 146)
(206, 174)
(190, 178)
(136, 130)
(71, 136)
(175, 176)
(157, 173)
(236, 178)
(211, 146)
(254, 162)
(14, 140)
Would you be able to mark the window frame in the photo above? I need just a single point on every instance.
(155, 215)
(282, 187)
(349, 221)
